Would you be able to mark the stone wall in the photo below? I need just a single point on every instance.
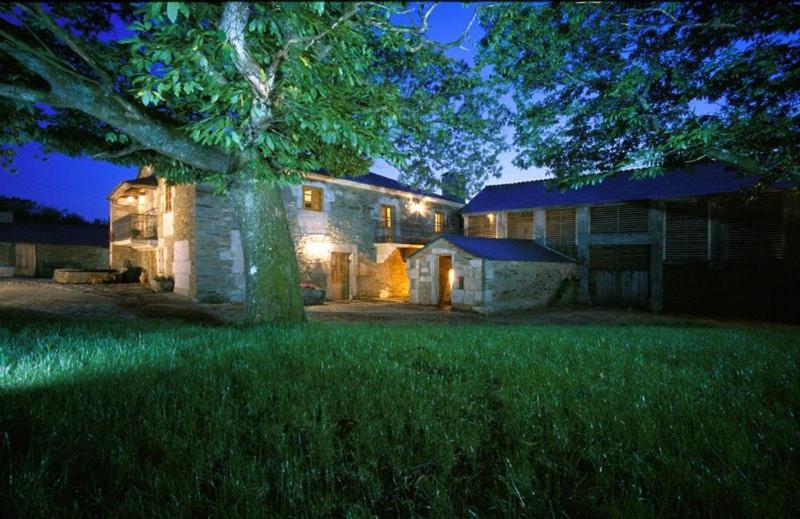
(51, 257)
(218, 259)
(387, 279)
(521, 285)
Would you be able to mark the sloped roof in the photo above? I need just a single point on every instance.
(506, 249)
(373, 179)
(701, 180)
(54, 234)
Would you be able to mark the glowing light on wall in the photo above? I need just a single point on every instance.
(490, 216)
(451, 276)
(416, 207)
(318, 249)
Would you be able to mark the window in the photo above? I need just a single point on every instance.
(755, 229)
(461, 282)
(438, 222)
(619, 218)
(560, 230)
(167, 198)
(519, 225)
(312, 198)
(483, 226)
(686, 231)
(387, 216)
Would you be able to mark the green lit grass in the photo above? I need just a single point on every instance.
(156, 418)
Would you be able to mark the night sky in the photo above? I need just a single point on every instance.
(80, 185)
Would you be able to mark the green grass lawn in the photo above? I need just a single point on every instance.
(160, 417)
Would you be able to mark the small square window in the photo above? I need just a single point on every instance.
(461, 282)
(312, 198)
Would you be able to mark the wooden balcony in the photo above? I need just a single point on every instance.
(414, 232)
(139, 231)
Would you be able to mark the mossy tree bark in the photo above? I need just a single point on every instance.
(272, 276)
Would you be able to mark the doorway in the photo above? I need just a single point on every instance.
(340, 276)
(445, 280)
(25, 259)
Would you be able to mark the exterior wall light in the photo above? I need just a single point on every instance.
(417, 207)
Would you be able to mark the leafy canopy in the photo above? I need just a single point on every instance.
(212, 91)
(603, 86)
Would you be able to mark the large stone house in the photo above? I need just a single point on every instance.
(352, 235)
(690, 240)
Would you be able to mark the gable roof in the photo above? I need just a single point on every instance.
(373, 179)
(680, 183)
(505, 249)
(54, 234)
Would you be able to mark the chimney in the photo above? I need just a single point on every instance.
(453, 186)
(6, 217)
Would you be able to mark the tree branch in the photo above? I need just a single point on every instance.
(62, 35)
(234, 24)
(28, 95)
(121, 153)
(74, 91)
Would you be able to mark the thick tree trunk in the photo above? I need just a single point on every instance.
(271, 272)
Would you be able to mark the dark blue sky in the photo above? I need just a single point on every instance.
(80, 185)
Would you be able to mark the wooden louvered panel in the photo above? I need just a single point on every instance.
(619, 218)
(519, 225)
(755, 230)
(619, 257)
(560, 230)
(686, 233)
(483, 226)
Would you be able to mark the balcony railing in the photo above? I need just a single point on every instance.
(135, 227)
(412, 232)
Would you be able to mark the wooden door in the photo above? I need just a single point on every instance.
(340, 276)
(445, 279)
(26, 259)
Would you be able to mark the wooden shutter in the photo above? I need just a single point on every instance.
(560, 230)
(482, 226)
(619, 218)
(619, 257)
(686, 231)
(519, 225)
(755, 230)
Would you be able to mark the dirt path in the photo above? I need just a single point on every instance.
(136, 301)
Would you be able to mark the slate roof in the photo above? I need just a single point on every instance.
(54, 234)
(373, 179)
(701, 180)
(506, 249)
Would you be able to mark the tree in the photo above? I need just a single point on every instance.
(244, 96)
(601, 87)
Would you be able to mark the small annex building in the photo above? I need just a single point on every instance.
(489, 275)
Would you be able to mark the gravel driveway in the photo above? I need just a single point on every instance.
(136, 301)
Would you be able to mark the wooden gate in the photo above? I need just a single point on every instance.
(26, 259)
(619, 275)
(340, 276)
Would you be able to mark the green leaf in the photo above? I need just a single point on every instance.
(172, 11)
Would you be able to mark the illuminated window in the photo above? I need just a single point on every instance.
(312, 198)
(387, 220)
(167, 198)
(438, 222)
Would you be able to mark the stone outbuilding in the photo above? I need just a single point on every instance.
(489, 275)
(35, 249)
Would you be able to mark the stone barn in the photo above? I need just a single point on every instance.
(32, 249)
(489, 275)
